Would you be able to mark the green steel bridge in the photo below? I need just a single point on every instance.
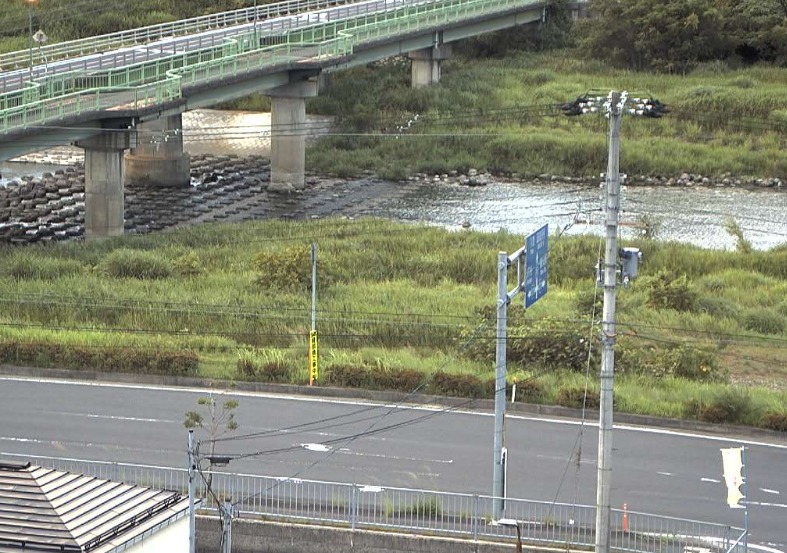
(249, 57)
(100, 92)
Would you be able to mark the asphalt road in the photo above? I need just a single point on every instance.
(654, 471)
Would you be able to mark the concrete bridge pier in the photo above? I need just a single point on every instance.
(158, 158)
(104, 172)
(426, 64)
(288, 134)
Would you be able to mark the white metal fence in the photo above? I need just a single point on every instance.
(457, 515)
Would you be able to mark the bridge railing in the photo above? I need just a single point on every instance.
(141, 85)
(457, 515)
(409, 18)
(95, 100)
(144, 35)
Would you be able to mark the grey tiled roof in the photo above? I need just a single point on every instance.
(48, 510)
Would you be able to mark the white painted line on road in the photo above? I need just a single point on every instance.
(316, 447)
(346, 451)
(768, 490)
(665, 473)
(710, 480)
(402, 406)
(764, 504)
(110, 417)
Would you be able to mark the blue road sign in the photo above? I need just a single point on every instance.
(536, 266)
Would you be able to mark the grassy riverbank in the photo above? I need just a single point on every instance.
(495, 114)
(401, 307)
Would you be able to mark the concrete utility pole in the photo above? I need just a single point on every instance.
(613, 107)
(192, 493)
(615, 110)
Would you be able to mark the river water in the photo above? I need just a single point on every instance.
(695, 215)
(687, 214)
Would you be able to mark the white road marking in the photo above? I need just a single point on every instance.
(664, 473)
(395, 457)
(402, 406)
(110, 417)
(764, 504)
(768, 490)
(316, 447)
(710, 480)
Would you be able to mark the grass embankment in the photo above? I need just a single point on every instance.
(489, 114)
(401, 307)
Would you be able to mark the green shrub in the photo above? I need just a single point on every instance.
(189, 264)
(140, 264)
(717, 307)
(589, 302)
(247, 368)
(667, 292)
(400, 380)
(457, 385)
(731, 405)
(742, 244)
(551, 344)
(274, 371)
(264, 366)
(764, 321)
(348, 376)
(774, 420)
(529, 390)
(714, 284)
(287, 268)
(669, 360)
(543, 343)
(575, 397)
(28, 266)
(81, 357)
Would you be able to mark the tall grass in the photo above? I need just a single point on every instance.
(390, 296)
(489, 114)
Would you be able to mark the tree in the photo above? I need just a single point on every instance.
(555, 31)
(218, 423)
(668, 36)
(759, 29)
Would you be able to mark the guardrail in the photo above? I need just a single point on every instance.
(457, 515)
(143, 35)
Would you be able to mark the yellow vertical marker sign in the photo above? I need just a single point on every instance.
(313, 366)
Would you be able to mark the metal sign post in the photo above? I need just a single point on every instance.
(531, 264)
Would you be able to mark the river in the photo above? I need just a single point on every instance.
(695, 215)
